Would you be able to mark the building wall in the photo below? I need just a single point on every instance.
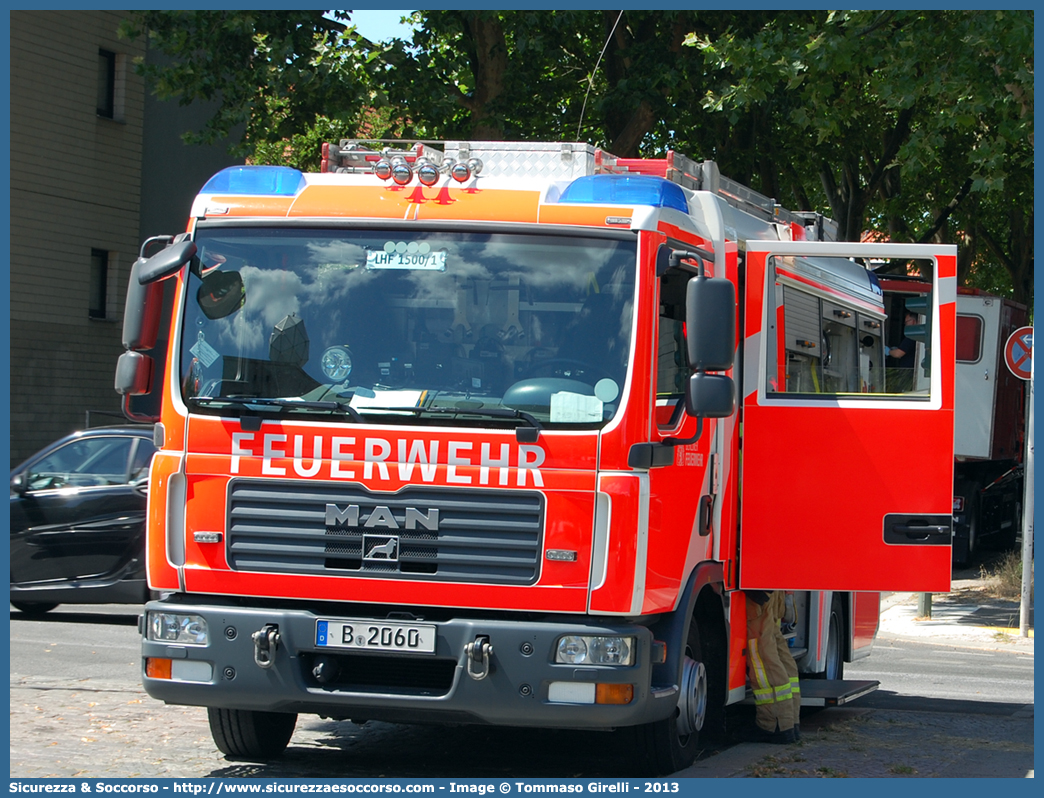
(75, 183)
(79, 182)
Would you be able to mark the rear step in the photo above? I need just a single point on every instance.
(834, 693)
(830, 692)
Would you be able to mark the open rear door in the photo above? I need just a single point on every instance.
(847, 456)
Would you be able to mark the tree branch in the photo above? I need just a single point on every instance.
(946, 212)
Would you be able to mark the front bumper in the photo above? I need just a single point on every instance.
(407, 688)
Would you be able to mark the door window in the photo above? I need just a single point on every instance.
(91, 462)
(142, 457)
(672, 357)
(826, 344)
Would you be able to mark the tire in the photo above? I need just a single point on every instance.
(971, 512)
(34, 607)
(1007, 540)
(669, 745)
(835, 653)
(248, 734)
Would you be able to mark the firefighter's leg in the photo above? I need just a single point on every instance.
(767, 676)
(787, 660)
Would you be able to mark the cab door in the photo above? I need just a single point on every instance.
(847, 484)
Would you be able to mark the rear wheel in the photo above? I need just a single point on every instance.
(248, 734)
(835, 653)
(34, 607)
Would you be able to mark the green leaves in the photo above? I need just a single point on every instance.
(881, 119)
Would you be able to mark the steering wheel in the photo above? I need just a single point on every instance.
(567, 367)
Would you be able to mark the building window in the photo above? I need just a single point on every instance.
(106, 84)
(99, 283)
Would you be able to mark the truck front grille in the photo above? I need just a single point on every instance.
(417, 533)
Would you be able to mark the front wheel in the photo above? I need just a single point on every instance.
(248, 734)
(669, 745)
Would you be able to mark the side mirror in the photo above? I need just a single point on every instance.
(19, 484)
(710, 322)
(166, 262)
(133, 374)
(142, 310)
(710, 396)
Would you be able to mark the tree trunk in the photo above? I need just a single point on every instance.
(489, 60)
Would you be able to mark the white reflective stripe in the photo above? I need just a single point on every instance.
(709, 224)
(947, 290)
(641, 544)
(760, 677)
(600, 546)
(175, 522)
(754, 364)
(851, 249)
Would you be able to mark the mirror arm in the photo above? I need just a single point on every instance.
(698, 254)
(686, 441)
(140, 418)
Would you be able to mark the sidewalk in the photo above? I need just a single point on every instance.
(852, 741)
(966, 617)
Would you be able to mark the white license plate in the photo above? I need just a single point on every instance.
(376, 636)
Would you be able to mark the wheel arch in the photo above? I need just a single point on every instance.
(703, 597)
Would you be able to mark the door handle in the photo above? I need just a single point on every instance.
(918, 530)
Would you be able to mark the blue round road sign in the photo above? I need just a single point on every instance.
(1018, 352)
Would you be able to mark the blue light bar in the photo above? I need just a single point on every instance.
(279, 181)
(626, 190)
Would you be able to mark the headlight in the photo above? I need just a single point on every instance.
(169, 627)
(595, 650)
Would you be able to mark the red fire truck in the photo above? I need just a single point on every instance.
(498, 433)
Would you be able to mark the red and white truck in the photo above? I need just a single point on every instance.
(499, 433)
(989, 412)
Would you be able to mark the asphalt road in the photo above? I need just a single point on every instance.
(78, 710)
(919, 676)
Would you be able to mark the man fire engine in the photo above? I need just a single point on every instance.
(499, 433)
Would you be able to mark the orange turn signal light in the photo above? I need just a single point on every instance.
(157, 668)
(614, 693)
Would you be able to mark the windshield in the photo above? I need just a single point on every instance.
(402, 327)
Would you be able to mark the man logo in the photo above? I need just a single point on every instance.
(382, 548)
(381, 516)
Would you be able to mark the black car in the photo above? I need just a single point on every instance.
(78, 520)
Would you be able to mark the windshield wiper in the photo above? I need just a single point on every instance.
(528, 434)
(261, 404)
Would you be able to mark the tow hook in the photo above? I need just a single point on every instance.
(479, 653)
(266, 641)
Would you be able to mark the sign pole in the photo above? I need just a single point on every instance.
(1027, 517)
